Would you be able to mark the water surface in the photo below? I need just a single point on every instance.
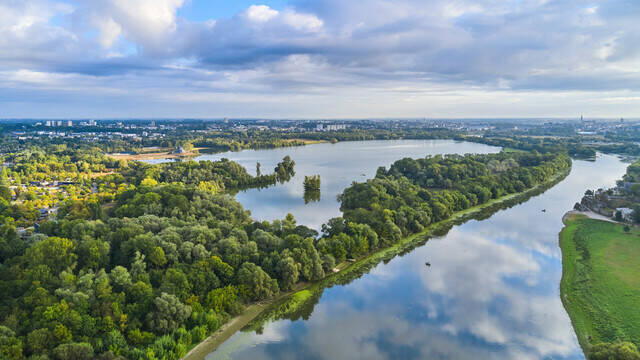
(492, 291)
(338, 166)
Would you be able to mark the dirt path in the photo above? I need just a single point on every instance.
(591, 215)
(225, 332)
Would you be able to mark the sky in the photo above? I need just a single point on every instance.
(319, 58)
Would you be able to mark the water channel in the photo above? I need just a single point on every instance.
(491, 292)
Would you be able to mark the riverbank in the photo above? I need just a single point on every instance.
(166, 153)
(600, 285)
(157, 153)
(590, 215)
(295, 303)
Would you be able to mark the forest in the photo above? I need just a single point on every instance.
(151, 259)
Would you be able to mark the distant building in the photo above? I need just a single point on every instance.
(330, 127)
(69, 123)
(179, 150)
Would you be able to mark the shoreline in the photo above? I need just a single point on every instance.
(215, 340)
(169, 154)
(594, 288)
(563, 240)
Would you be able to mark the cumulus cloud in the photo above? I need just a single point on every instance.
(260, 13)
(435, 49)
(146, 23)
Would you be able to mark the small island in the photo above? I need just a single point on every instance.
(311, 188)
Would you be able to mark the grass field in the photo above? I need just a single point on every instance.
(600, 285)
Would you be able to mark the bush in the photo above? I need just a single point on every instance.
(613, 351)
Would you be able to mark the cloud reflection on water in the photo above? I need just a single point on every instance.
(491, 293)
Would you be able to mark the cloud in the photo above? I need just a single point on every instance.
(260, 13)
(146, 23)
(474, 51)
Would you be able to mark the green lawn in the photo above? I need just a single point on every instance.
(600, 286)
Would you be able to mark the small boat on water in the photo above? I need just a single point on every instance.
(544, 210)
(428, 264)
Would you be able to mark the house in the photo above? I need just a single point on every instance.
(47, 212)
(24, 232)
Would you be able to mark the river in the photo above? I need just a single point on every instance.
(491, 292)
(337, 164)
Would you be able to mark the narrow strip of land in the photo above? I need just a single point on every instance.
(253, 311)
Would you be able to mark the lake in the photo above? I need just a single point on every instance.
(338, 166)
(491, 292)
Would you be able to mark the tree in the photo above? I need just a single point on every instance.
(38, 341)
(175, 282)
(618, 216)
(258, 165)
(391, 232)
(54, 252)
(288, 272)
(149, 182)
(259, 284)
(620, 350)
(120, 277)
(157, 257)
(635, 189)
(635, 215)
(5, 193)
(74, 351)
(4, 178)
(222, 299)
(10, 345)
(170, 313)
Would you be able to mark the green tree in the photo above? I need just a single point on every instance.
(157, 257)
(54, 252)
(175, 282)
(4, 177)
(10, 345)
(74, 351)
(39, 341)
(620, 350)
(120, 277)
(5, 193)
(287, 272)
(259, 284)
(170, 313)
(222, 299)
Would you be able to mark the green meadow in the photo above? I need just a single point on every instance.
(600, 286)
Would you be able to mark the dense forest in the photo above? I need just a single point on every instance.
(143, 261)
(415, 193)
